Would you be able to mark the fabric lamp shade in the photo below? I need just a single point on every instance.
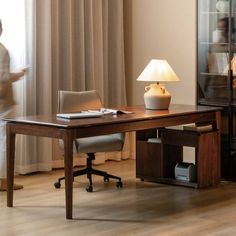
(156, 96)
(158, 71)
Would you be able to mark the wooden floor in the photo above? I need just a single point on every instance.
(140, 208)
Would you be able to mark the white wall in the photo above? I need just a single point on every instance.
(161, 29)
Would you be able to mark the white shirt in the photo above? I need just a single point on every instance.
(6, 91)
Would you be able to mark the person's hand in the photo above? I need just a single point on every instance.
(24, 70)
(18, 75)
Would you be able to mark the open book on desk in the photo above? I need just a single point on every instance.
(91, 113)
(113, 111)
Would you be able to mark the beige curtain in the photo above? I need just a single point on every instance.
(88, 53)
(88, 48)
(34, 95)
(70, 45)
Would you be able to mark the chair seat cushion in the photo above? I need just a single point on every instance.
(103, 143)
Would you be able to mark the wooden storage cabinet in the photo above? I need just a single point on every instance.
(148, 160)
(151, 163)
(156, 161)
(216, 71)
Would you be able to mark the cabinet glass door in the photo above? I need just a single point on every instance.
(233, 49)
(213, 51)
(216, 70)
(233, 89)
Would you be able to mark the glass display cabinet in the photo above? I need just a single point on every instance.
(216, 71)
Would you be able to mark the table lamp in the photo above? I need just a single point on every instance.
(156, 96)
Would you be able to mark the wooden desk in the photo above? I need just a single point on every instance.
(68, 130)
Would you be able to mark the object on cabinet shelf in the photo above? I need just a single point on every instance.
(218, 36)
(233, 66)
(222, 6)
(154, 140)
(186, 172)
(200, 128)
(218, 62)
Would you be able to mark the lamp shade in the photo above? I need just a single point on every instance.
(158, 71)
(156, 96)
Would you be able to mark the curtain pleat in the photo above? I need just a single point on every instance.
(89, 35)
(70, 45)
(35, 153)
(88, 47)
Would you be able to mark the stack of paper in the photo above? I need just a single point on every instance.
(84, 114)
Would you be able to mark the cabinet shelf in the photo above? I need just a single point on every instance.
(219, 102)
(212, 43)
(213, 74)
(156, 162)
(214, 13)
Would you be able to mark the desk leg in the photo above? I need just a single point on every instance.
(68, 162)
(10, 164)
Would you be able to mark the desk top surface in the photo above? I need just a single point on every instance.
(139, 113)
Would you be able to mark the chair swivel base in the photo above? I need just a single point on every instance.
(90, 172)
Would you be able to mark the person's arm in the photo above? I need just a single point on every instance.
(16, 76)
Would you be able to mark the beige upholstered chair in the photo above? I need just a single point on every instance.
(69, 101)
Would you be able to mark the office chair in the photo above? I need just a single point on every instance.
(69, 101)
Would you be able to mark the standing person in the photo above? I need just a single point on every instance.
(6, 106)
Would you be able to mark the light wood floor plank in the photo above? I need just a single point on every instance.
(140, 208)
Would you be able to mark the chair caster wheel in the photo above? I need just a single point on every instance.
(89, 189)
(106, 179)
(57, 184)
(119, 184)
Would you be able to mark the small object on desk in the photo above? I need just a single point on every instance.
(84, 114)
(201, 128)
(113, 111)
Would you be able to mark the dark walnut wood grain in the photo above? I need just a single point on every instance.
(68, 130)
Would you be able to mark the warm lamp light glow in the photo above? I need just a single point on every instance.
(156, 96)
(158, 71)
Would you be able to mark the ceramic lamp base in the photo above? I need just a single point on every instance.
(157, 104)
(156, 97)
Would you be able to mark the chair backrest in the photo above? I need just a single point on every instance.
(72, 101)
